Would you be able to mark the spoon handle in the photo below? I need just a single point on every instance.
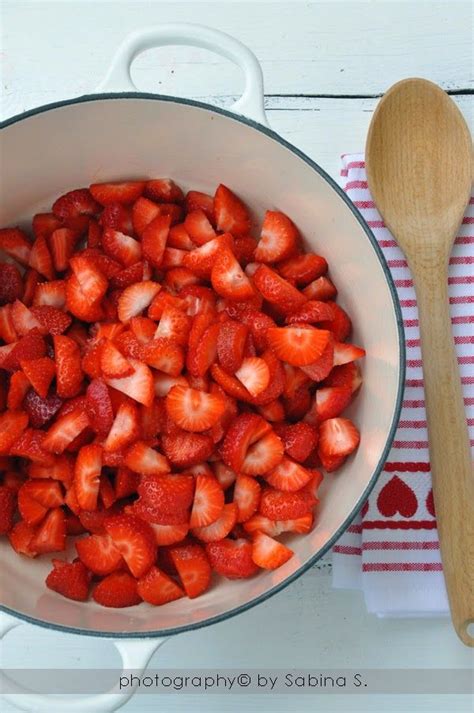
(450, 454)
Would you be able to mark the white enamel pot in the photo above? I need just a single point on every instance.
(120, 133)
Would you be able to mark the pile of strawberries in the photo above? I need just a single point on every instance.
(169, 388)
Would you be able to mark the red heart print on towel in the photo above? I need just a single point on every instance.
(430, 504)
(397, 496)
(365, 508)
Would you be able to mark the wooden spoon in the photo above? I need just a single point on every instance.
(419, 168)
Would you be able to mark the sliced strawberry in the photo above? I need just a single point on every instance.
(135, 298)
(112, 362)
(162, 300)
(40, 258)
(198, 299)
(124, 193)
(117, 216)
(61, 469)
(61, 244)
(199, 227)
(94, 234)
(163, 354)
(163, 190)
(174, 325)
(320, 289)
(268, 553)
(70, 579)
(51, 534)
(99, 407)
(139, 385)
(30, 445)
(143, 328)
(225, 475)
(121, 247)
(20, 537)
(244, 249)
(69, 373)
(45, 224)
(345, 353)
(14, 242)
(87, 472)
(278, 239)
(246, 496)
(232, 386)
(208, 501)
(319, 369)
(245, 430)
(23, 319)
(311, 313)
(231, 558)
(288, 476)
(40, 411)
(50, 293)
(337, 437)
(193, 568)
(281, 505)
(64, 430)
(199, 357)
(12, 425)
(340, 324)
(345, 375)
(179, 277)
(167, 492)
(258, 324)
(17, 390)
(230, 212)
(51, 319)
(125, 427)
(254, 374)
(143, 459)
(184, 449)
(74, 203)
(92, 282)
(117, 590)
(295, 378)
(178, 237)
(277, 290)
(7, 330)
(143, 212)
(200, 260)
(135, 541)
(302, 269)
(231, 344)
(40, 373)
(298, 345)
(169, 534)
(195, 200)
(277, 380)
(331, 401)
(260, 523)
(273, 411)
(220, 528)
(228, 279)
(194, 410)
(299, 440)
(30, 282)
(158, 588)
(11, 285)
(36, 497)
(99, 554)
(154, 239)
(164, 383)
(7, 508)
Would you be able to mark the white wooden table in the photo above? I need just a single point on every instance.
(325, 65)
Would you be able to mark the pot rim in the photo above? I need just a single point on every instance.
(160, 633)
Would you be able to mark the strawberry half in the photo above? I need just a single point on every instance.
(193, 568)
(169, 534)
(14, 242)
(288, 476)
(254, 374)
(230, 212)
(36, 497)
(331, 401)
(136, 298)
(228, 279)
(12, 425)
(51, 534)
(134, 539)
(299, 439)
(208, 501)
(163, 190)
(246, 497)
(220, 528)
(157, 588)
(345, 353)
(232, 558)
(303, 269)
(198, 227)
(231, 343)
(320, 289)
(143, 459)
(277, 290)
(70, 579)
(64, 430)
(125, 193)
(337, 437)
(281, 505)
(40, 373)
(194, 410)
(154, 239)
(298, 345)
(87, 472)
(99, 554)
(268, 553)
(139, 385)
(69, 373)
(260, 523)
(117, 590)
(278, 238)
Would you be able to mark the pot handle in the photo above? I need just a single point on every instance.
(250, 104)
(135, 655)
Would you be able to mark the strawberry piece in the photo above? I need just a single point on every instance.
(245, 430)
(244, 249)
(198, 299)
(193, 568)
(277, 290)
(299, 440)
(297, 405)
(165, 355)
(164, 383)
(45, 224)
(143, 328)
(288, 476)
(162, 300)
(7, 508)
(14, 242)
(121, 247)
(268, 553)
(278, 239)
(112, 362)
(200, 260)
(247, 492)
(331, 463)
(258, 323)
(200, 325)
(51, 319)
(198, 227)
(158, 588)
(331, 401)
(126, 483)
(135, 541)
(143, 459)
(154, 239)
(40, 258)
(51, 534)
(135, 298)
(92, 282)
(231, 558)
(12, 425)
(87, 472)
(254, 374)
(62, 242)
(117, 590)
(320, 289)
(184, 449)
(124, 193)
(125, 427)
(220, 528)
(7, 330)
(74, 203)
(30, 282)
(273, 411)
(166, 493)
(178, 237)
(52, 294)
(17, 390)
(195, 200)
(156, 516)
(173, 325)
(260, 523)
(143, 212)
(337, 437)
(231, 344)
(230, 212)
(99, 554)
(208, 501)
(277, 380)
(36, 497)
(319, 370)
(311, 313)
(69, 373)
(23, 319)
(64, 430)
(70, 579)
(40, 411)
(11, 285)
(179, 277)
(295, 378)
(20, 537)
(117, 216)
(232, 386)
(139, 385)
(228, 279)
(340, 324)
(30, 445)
(345, 353)
(99, 407)
(225, 475)
(61, 469)
(194, 410)
(163, 190)
(40, 373)
(345, 375)
(281, 505)
(298, 345)
(303, 269)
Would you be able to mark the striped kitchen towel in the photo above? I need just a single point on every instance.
(391, 550)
